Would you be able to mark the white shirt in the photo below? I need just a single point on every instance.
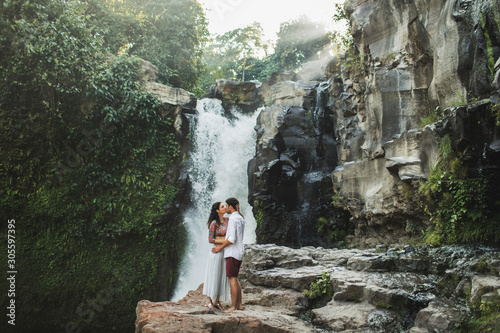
(234, 234)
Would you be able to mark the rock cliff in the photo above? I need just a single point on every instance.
(359, 123)
(290, 176)
(420, 56)
(408, 289)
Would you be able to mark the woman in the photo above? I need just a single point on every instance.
(216, 285)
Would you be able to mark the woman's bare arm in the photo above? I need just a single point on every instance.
(219, 240)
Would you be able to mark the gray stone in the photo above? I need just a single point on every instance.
(176, 104)
(363, 301)
(242, 94)
(490, 297)
(342, 316)
(352, 292)
(371, 262)
(440, 316)
(482, 285)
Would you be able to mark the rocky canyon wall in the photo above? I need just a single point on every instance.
(357, 122)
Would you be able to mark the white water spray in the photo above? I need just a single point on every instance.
(221, 152)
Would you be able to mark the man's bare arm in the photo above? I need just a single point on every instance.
(218, 248)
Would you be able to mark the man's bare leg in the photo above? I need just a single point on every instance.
(233, 284)
(239, 305)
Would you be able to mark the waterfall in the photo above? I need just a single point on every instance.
(222, 149)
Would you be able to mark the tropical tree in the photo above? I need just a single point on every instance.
(299, 41)
(48, 50)
(171, 34)
(232, 54)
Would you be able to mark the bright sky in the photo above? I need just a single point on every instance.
(226, 15)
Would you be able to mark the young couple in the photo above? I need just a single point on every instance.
(224, 259)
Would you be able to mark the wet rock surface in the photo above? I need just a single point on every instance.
(396, 290)
(241, 94)
(290, 185)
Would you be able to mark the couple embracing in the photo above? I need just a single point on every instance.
(224, 259)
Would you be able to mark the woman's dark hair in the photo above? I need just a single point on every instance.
(214, 215)
(235, 203)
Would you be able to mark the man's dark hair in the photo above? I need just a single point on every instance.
(233, 202)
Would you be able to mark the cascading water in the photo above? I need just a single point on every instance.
(218, 170)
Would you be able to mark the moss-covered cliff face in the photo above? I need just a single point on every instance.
(68, 284)
(99, 227)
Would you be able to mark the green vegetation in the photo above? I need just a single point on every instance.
(483, 266)
(485, 316)
(489, 34)
(171, 34)
(329, 231)
(320, 288)
(457, 205)
(489, 47)
(259, 217)
(355, 60)
(231, 55)
(242, 54)
(84, 152)
(299, 41)
(431, 117)
(383, 305)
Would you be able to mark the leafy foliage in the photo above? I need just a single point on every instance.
(485, 316)
(330, 230)
(242, 54)
(230, 55)
(457, 205)
(48, 49)
(430, 117)
(168, 33)
(320, 287)
(84, 152)
(355, 59)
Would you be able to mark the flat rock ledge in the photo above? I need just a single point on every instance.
(416, 290)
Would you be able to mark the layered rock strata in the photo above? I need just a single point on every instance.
(241, 94)
(418, 57)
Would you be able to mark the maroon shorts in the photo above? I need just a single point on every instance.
(232, 267)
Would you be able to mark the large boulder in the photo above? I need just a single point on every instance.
(177, 104)
(242, 94)
(267, 313)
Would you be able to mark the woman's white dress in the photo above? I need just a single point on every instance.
(216, 283)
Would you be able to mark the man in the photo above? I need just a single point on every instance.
(233, 245)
